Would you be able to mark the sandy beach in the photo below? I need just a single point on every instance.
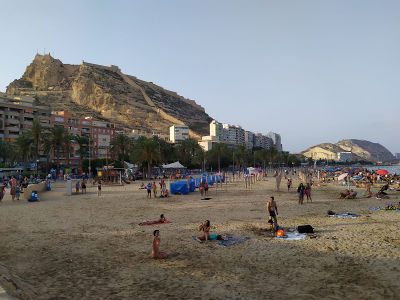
(90, 247)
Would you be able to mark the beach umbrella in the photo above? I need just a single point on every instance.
(343, 176)
(382, 172)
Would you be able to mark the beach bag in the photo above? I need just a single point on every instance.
(305, 229)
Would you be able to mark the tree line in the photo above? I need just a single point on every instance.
(147, 152)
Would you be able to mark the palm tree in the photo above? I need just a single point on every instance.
(57, 141)
(190, 153)
(121, 145)
(146, 151)
(83, 151)
(67, 146)
(37, 131)
(218, 150)
(24, 144)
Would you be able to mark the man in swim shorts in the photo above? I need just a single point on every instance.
(273, 211)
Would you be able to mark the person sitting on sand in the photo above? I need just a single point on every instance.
(344, 194)
(155, 252)
(205, 228)
(351, 195)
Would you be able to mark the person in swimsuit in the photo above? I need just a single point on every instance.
(155, 252)
(84, 186)
(99, 188)
(289, 184)
(205, 228)
(162, 219)
(273, 211)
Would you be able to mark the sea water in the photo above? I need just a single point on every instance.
(390, 169)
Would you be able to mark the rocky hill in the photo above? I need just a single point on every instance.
(361, 149)
(106, 93)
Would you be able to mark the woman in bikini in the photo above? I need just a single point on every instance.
(205, 228)
(156, 253)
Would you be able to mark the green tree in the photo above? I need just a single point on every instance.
(67, 147)
(37, 136)
(121, 145)
(24, 145)
(190, 153)
(146, 152)
(83, 150)
(219, 155)
(57, 142)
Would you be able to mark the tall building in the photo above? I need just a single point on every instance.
(276, 138)
(249, 139)
(217, 130)
(17, 115)
(262, 141)
(178, 133)
(235, 134)
(397, 155)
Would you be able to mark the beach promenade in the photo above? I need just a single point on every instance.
(90, 247)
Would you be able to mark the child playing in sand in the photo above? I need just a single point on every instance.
(156, 253)
(148, 189)
(205, 228)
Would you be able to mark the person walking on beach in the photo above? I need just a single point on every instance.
(278, 181)
(205, 188)
(83, 187)
(2, 191)
(307, 192)
(301, 190)
(148, 189)
(273, 211)
(99, 188)
(154, 189)
(13, 184)
(289, 184)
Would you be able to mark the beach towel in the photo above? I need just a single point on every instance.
(292, 236)
(149, 223)
(231, 240)
(346, 215)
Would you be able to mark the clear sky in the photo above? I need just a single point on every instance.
(313, 71)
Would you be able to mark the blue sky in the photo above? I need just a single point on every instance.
(314, 71)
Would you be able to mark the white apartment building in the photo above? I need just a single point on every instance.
(178, 133)
(249, 139)
(217, 130)
(276, 138)
(235, 134)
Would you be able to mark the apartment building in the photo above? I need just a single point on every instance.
(100, 133)
(262, 141)
(17, 114)
(178, 133)
(276, 138)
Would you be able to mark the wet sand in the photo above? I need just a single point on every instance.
(90, 247)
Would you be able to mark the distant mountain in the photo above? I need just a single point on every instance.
(361, 149)
(105, 92)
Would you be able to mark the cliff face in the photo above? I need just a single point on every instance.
(361, 149)
(107, 93)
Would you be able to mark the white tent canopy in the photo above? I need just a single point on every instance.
(175, 165)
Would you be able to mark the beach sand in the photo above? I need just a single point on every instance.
(90, 247)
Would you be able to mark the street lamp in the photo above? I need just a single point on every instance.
(37, 168)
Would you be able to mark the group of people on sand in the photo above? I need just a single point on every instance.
(15, 185)
(304, 190)
(81, 186)
(203, 188)
(151, 189)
